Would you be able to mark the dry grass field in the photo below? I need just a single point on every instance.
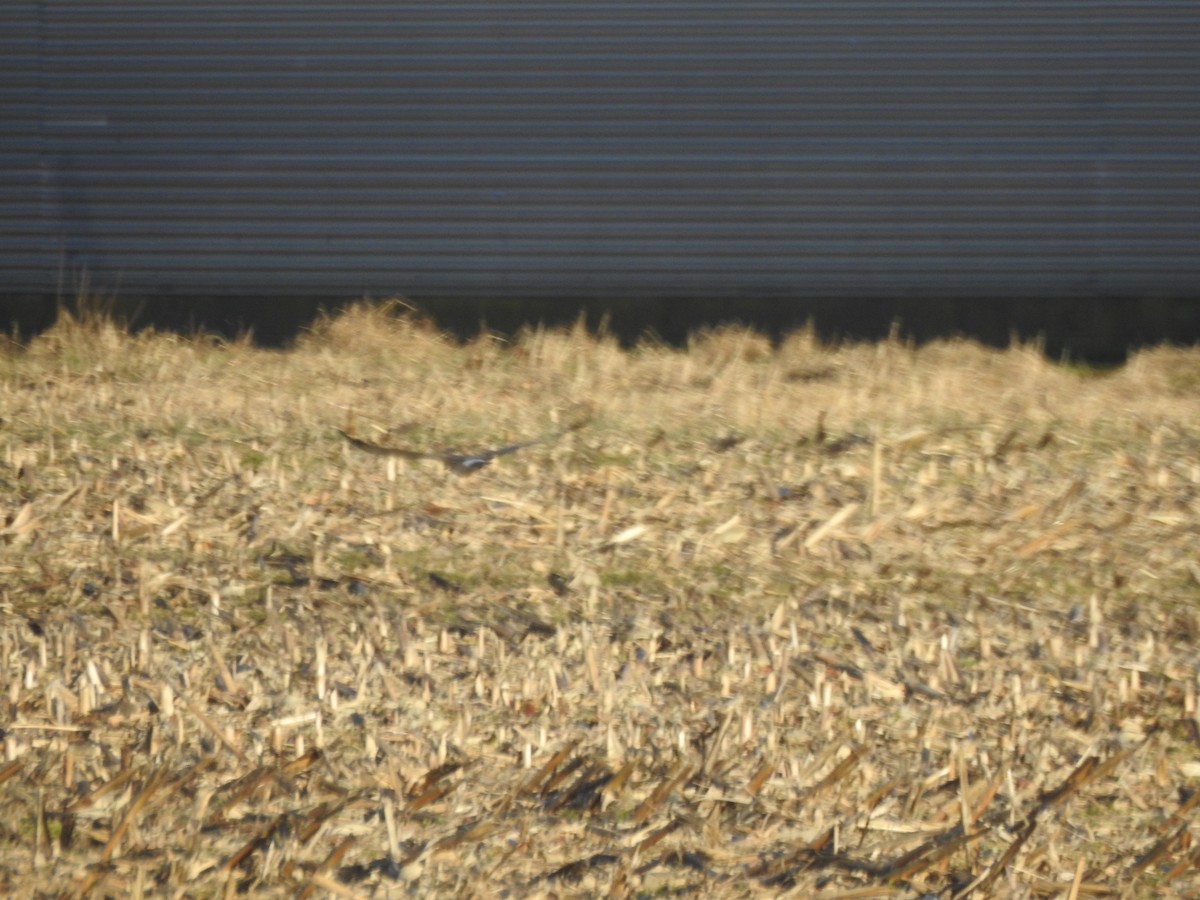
(857, 621)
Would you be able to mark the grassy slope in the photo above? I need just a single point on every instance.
(826, 620)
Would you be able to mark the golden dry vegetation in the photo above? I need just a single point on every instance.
(857, 621)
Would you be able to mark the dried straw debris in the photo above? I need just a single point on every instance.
(857, 621)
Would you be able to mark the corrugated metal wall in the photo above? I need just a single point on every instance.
(844, 148)
(26, 249)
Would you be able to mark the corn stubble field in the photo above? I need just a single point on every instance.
(857, 621)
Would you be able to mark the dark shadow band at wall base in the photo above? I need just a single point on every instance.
(1094, 330)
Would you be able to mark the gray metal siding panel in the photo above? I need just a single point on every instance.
(854, 149)
(26, 251)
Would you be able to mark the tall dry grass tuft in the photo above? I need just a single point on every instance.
(90, 331)
(93, 340)
(1173, 371)
(729, 344)
(573, 363)
(10, 345)
(800, 346)
(374, 328)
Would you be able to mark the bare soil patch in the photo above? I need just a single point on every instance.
(858, 621)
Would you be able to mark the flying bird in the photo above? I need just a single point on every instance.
(461, 463)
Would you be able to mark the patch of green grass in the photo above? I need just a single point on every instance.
(253, 460)
(349, 560)
(638, 579)
(1086, 369)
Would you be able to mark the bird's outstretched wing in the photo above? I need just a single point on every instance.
(462, 463)
(380, 450)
